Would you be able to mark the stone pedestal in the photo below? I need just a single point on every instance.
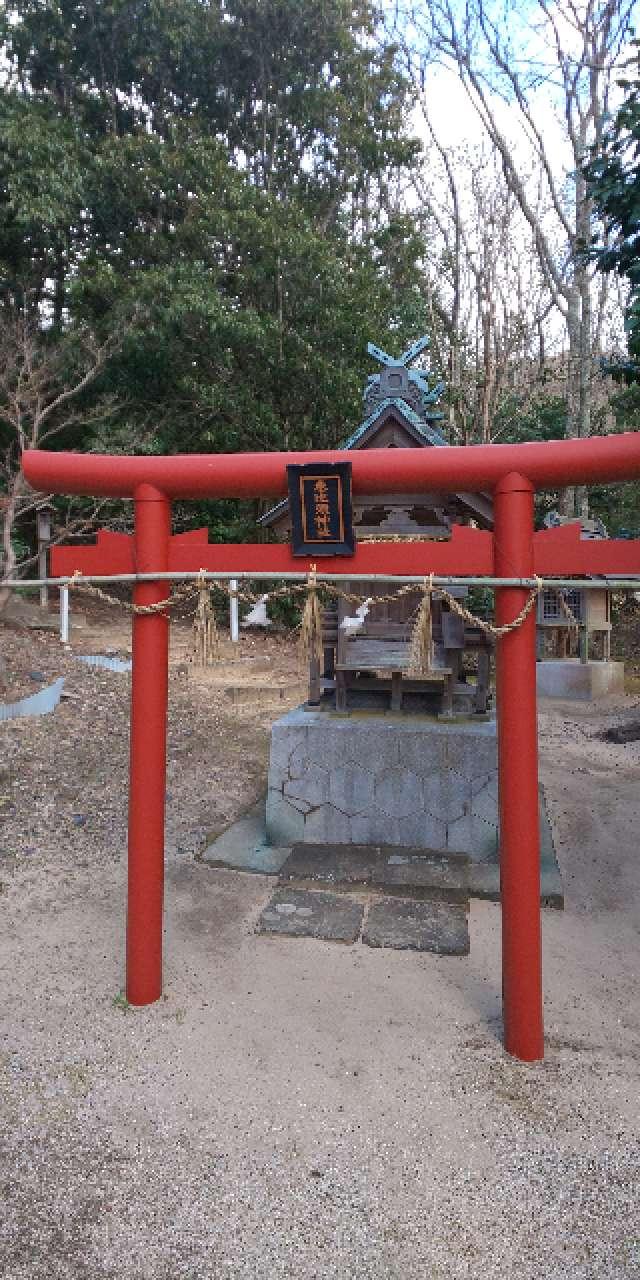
(369, 780)
(580, 681)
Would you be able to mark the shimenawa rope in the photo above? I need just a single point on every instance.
(421, 644)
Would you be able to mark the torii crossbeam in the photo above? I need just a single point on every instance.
(512, 473)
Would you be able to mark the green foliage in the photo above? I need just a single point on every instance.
(479, 602)
(618, 506)
(21, 548)
(531, 417)
(614, 180)
(626, 408)
(286, 611)
(208, 179)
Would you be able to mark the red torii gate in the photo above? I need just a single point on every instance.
(512, 472)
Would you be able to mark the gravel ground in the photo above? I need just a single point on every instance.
(293, 1108)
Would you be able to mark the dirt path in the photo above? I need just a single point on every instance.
(293, 1108)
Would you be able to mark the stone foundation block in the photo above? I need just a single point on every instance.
(402, 781)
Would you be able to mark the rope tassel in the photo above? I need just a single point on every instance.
(311, 625)
(572, 621)
(206, 640)
(421, 646)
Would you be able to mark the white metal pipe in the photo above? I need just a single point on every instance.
(234, 626)
(64, 615)
(42, 570)
(628, 583)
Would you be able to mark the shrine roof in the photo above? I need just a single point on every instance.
(424, 428)
(427, 435)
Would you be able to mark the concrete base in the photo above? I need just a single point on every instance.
(580, 681)
(243, 846)
(388, 780)
(405, 873)
(352, 788)
(415, 873)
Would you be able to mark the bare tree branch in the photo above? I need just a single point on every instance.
(42, 382)
(504, 56)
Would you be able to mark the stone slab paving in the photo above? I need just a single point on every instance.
(301, 914)
(440, 927)
(407, 872)
(400, 923)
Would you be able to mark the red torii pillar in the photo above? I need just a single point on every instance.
(148, 751)
(518, 775)
(513, 473)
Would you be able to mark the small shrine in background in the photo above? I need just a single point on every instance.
(574, 623)
(573, 633)
(366, 646)
(378, 757)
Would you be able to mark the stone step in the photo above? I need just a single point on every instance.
(399, 923)
(263, 694)
(405, 925)
(299, 914)
(411, 873)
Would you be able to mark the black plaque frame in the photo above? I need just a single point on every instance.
(321, 513)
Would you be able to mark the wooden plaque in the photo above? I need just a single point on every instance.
(321, 509)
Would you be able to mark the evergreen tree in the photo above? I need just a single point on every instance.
(212, 178)
(614, 179)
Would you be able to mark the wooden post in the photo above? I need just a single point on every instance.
(314, 682)
(483, 677)
(396, 691)
(43, 527)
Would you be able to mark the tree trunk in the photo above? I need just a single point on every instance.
(8, 562)
(583, 283)
(574, 334)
